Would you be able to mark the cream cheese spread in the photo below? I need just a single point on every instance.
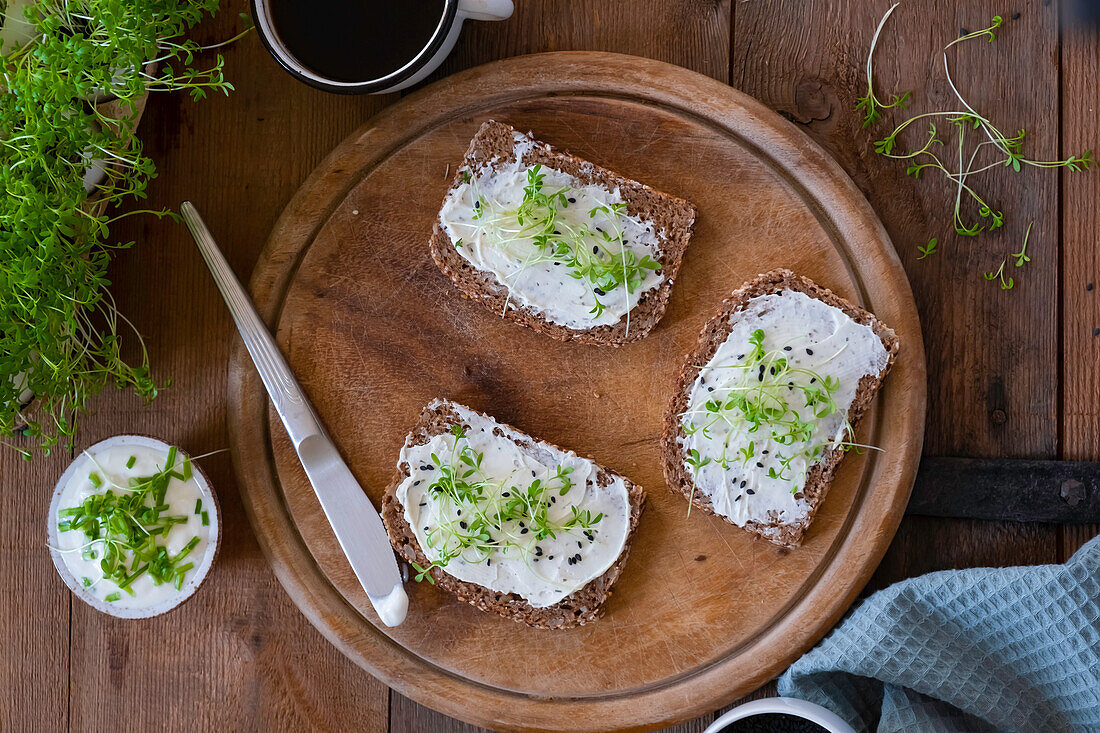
(543, 570)
(479, 216)
(755, 471)
(112, 464)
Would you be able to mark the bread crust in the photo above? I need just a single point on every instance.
(820, 475)
(576, 609)
(673, 218)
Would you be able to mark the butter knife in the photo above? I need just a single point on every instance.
(354, 520)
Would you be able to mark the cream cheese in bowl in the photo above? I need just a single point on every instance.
(133, 527)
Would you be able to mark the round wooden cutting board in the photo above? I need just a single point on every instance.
(703, 613)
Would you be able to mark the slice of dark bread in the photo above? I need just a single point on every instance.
(672, 219)
(714, 334)
(576, 609)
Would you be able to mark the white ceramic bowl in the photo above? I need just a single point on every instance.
(827, 719)
(203, 565)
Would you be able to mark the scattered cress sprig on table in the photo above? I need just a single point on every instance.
(1007, 150)
(126, 527)
(495, 515)
(591, 253)
(759, 405)
(59, 327)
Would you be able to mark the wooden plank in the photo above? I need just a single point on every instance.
(992, 355)
(239, 655)
(34, 608)
(1080, 263)
(690, 33)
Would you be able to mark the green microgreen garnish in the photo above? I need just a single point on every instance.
(125, 528)
(485, 518)
(929, 249)
(772, 410)
(61, 334)
(972, 212)
(593, 250)
(131, 461)
(869, 104)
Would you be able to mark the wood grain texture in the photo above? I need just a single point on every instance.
(241, 159)
(238, 656)
(992, 355)
(691, 33)
(34, 608)
(1080, 263)
(365, 318)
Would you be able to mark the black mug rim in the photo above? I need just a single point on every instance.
(276, 48)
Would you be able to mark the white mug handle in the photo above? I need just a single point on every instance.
(486, 9)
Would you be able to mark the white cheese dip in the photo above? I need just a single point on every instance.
(478, 217)
(80, 557)
(810, 335)
(542, 572)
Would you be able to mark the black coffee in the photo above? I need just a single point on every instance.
(355, 40)
(773, 723)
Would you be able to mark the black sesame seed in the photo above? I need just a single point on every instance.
(740, 356)
(710, 389)
(462, 524)
(810, 352)
(416, 483)
(524, 531)
(786, 348)
(738, 498)
(538, 550)
(549, 557)
(595, 249)
(759, 464)
(750, 492)
(505, 494)
(572, 200)
(743, 484)
(598, 291)
(427, 467)
(1088, 287)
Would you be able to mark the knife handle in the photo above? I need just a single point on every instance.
(286, 394)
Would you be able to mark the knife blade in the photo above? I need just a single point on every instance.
(354, 520)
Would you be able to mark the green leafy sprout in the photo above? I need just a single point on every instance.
(772, 408)
(485, 518)
(993, 149)
(593, 251)
(61, 335)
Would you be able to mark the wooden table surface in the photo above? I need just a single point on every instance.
(1011, 373)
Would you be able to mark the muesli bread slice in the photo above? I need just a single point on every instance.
(576, 609)
(496, 144)
(717, 329)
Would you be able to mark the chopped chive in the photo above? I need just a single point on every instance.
(95, 479)
(205, 519)
(113, 597)
(198, 505)
(130, 463)
(184, 568)
(186, 549)
(187, 468)
(171, 460)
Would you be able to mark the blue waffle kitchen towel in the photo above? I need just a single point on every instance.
(1013, 649)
